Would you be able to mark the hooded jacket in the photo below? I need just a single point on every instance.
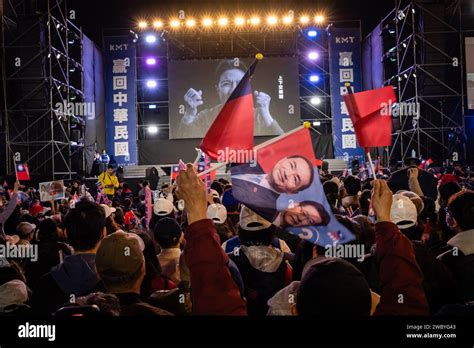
(76, 277)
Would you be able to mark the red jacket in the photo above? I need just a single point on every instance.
(400, 276)
(214, 291)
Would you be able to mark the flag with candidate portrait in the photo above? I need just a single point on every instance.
(284, 187)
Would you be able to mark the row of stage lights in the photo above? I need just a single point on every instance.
(224, 21)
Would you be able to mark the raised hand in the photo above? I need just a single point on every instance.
(192, 190)
(192, 99)
(381, 200)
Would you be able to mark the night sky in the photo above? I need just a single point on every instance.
(95, 15)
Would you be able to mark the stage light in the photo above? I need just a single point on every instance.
(207, 22)
(151, 83)
(272, 20)
(150, 38)
(174, 23)
(287, 20)
(223, 21)
(153, 129)
(315, 101)
(316, 123)
(312, 33)
(58, 55)
(157, 24)
(319, 19)
(152, 106)
(314, 78)
(142, 24)
(190, 23)
(313, 55)
(239, 21)
(255, 21)
(151, 61)
(304, 19)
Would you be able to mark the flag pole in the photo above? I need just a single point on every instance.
(14, 165)
(210, 169)
(371, 164)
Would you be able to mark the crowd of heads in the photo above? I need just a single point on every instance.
(112, 257)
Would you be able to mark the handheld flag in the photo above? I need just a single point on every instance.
(370, 116)
(22, 171)
(233, 127)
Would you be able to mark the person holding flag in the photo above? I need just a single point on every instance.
(9, 208)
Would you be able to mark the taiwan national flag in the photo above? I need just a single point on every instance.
(22, 172)
(233, 128)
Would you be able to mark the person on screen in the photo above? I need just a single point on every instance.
(260, 190)
(196, 124)
(306, 213)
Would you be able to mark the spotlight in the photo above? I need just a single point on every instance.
(223, 21)
(312, 33)
(151, 84)
(255, 21)
(272, 20)
(58, 25)
(314, 78)
(313, 55)
(152, 106)
(174, 23)
(190, 23)
(151, 61)
(142, 24)
(153, 129)
(304, 19)
(319, 19)
(239, 21)
(287, 20)
(315, 101)
(150, 38)
(157, 24)
(316, 123)
(207, 22)
(58, 55)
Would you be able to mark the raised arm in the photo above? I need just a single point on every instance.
(214, 291)
(400, 276)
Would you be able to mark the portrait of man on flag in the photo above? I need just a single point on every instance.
(285, 189)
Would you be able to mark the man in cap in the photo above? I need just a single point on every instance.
(120, 265)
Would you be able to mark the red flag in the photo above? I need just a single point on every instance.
(373, 128)
(297, 142)
(233, 127)
(22, 172)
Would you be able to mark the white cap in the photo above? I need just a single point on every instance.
(108, 210)
(250, 221)
(162, 207)
(403, 210)
(217, 213)
(24, 229)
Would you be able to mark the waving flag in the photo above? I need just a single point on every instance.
(284, 188)
(370, 116)
(22, 171)
(233, 127)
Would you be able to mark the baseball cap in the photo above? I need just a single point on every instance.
(250, 221)
(403, 212)
(108, 210)
(415, 199)
(163, 207)
(217, 213)
(24, 229)
(36, 209)
(120, 256)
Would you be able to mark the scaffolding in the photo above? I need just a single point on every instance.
(423, 60)
(42, 78)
